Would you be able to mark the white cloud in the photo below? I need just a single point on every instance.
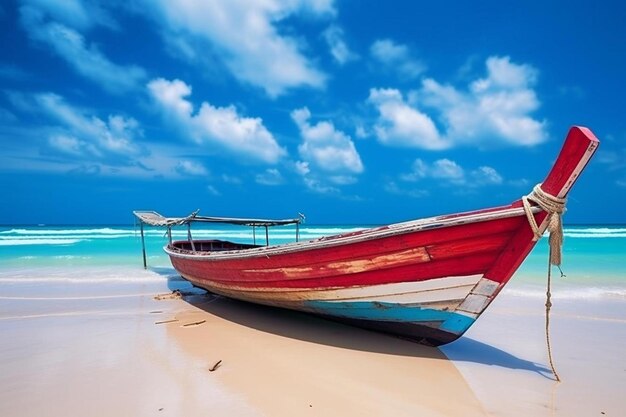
(334, 37)
(360, 132)
(302, 168)
(244, 34)
(71, 145)
(449, 171)
(319, 187)
(399, 124)
(88, 134)
(444, 169)
(86, 59)
(223, 126)
(396, 57)
(170, 95)
(326, 147)
(329, 155)
(486, 175)
(77, 150)
(73, 13)
(502, 74)
(494, 110)
(186, 167)
(270, 176)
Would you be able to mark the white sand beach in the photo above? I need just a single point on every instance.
(87, 348)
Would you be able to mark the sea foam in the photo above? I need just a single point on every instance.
(16, 242)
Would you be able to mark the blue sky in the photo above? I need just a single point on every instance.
(347, 111)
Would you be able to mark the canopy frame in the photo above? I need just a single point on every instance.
(153, 218)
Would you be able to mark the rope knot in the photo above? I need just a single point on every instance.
(555, 207)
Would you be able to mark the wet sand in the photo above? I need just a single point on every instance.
(93, 349)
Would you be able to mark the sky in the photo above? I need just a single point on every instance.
(350, 112)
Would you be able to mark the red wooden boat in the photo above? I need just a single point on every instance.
(426, 280)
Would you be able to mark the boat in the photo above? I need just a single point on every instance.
(426, 280)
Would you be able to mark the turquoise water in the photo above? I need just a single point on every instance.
(594, 257)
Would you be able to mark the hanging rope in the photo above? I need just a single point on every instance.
(555, 207)
(548, 306)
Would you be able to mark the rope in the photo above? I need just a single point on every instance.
(548, 305)
(555, 207)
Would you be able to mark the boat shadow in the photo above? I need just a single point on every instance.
(313, 329)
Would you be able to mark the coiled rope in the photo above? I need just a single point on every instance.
(555, 207)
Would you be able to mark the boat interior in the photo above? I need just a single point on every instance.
(210, 245)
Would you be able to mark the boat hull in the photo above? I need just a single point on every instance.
(426, 280)
(418, 281)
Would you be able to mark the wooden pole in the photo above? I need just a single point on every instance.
(193, 247)
(143, 248)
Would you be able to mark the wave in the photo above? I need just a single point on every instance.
(50, 237)
(597, 230)
(15, 242)
(594, 235)
(65, 235)
(586, 293)
(37, 232)
(26, 236)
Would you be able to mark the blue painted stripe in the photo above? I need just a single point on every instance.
(379, 311)
(457, 323)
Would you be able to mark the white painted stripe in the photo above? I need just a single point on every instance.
(420, 297)
(486, 287)
(450, 291)
(434, 290)
(474, 303)
(479, 297)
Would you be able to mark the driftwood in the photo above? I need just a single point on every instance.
(195, 323)
(174, 295)
(165, 321)
(214, 367)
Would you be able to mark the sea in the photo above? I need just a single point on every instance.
(594, 256)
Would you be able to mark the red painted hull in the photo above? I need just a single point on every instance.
(427, 280)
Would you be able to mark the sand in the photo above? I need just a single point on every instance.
(94, 349)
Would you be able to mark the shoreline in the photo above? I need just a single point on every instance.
(95, 348)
